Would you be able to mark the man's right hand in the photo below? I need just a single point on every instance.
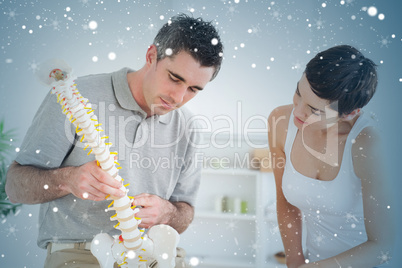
(90, 182)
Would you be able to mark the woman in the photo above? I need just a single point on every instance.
(328, 171)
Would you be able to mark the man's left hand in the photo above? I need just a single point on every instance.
(153, 210)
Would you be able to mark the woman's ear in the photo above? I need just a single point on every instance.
(351, 115)
(152, 55)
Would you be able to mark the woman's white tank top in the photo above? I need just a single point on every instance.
(332, 210)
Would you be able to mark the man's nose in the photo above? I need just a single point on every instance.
(178, 93)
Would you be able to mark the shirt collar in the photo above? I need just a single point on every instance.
(125, 97)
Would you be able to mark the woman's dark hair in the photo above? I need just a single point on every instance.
(195, 36)
(343, 76)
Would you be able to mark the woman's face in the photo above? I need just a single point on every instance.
(311, 110)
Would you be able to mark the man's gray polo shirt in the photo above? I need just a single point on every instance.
(157, 155)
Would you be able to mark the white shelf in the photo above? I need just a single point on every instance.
(214, 262)
(231, 171)
(231, 240)
(224, 262)
(224, 215)
(274, 264)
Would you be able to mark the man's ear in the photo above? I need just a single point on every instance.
(152, 55)
(351, 115)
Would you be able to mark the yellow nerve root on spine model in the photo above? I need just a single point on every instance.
(131, 248)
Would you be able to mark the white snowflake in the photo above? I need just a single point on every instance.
(231, 9)
(319, 238)
(374, 116)
(351, 218)
(33, 66)
(121, 42)
(384, 41)
(254, 246)
(319, 24)
(384, 257)
(85, 216)
(84, 2)
(151, 27)
(190, 9)
(55, 23)
(297, 66)
(232, 225)
(11, 230)
(276, 15)
(255, 30)
(349, 2)
(11, 14)
(274, 230)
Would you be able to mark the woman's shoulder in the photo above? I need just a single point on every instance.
(365, 134)
(283, 110)
(367, 151)
(368, 138)
(280, 116)
(278, 122)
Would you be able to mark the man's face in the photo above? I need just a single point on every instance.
(173, 81)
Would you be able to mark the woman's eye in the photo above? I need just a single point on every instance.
(315, 112)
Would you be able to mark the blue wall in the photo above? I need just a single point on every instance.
(267, 44)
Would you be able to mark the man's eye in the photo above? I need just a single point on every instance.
(173, 78)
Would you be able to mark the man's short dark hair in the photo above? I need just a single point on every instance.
(343, 76)
(193, 35)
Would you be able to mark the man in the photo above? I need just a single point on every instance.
(142, 115)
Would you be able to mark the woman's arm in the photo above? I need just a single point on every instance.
(378, 213)
(289, 216)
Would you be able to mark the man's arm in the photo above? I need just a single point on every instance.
(32, 185)
(155, 210)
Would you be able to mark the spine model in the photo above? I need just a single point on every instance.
(80, 113)
(131, 248)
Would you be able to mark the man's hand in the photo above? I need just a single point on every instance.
(89, 181)
(154, 210)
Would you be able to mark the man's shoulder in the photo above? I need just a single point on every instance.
(99, 84)
(94, 78)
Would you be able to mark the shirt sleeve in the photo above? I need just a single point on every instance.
(189, 181)
(49, 138)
